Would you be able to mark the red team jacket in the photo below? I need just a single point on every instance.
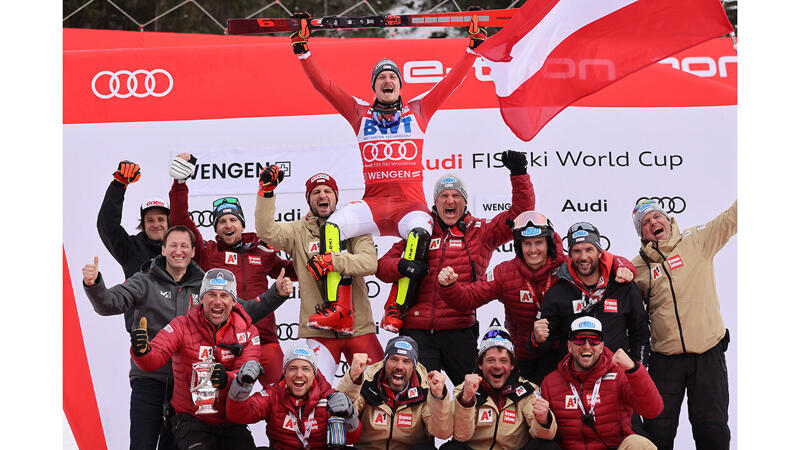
(250, 263)
(273, 404)
(461, 252)
(619, 391)
(186, 339)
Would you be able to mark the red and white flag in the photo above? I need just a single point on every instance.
(555, 52)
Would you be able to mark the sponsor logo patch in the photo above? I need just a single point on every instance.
(288, 423)
(231, 258)
(435, 243)
(168, 328)
(404, 420)
(254, 260)
(521, 390)
(195, 300)
(225, 354)
(256, 340)
(610, 306)
(610, 376)
(577, 306)
(656, 273)
(413, 393)
(313, 247)
(570, 402)
(485, 415)
(204, 352)
(509, 416)
(525, 296)
(241, 338)
(675, 262)
(455, 243)
(379, 418)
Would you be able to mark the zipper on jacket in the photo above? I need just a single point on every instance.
(436, 283)
(496, 426)
(391, 429)
(674, 300)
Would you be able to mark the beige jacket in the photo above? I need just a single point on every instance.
(300, 239)
(678, 282)
(414, 422)
(484, 425)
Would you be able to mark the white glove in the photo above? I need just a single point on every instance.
(181, 169)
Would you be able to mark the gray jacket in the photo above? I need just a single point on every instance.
(157, 296)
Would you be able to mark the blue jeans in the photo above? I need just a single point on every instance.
(147, 424)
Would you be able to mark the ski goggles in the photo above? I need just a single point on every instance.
(582, 339)
(583, 226)
(532, 223)
(497, 334)
(226, 201)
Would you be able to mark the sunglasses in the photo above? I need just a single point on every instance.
(593, 340)
(493, 334)
(224, 200)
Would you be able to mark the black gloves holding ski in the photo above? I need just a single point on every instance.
(412, 269)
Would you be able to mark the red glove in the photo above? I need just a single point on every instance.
(127, 172)
(268, 180)
(319, 265)
(476, 34)
(300, 38)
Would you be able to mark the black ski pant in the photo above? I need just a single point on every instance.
(704, 377)
(455, 351)
(192, 433)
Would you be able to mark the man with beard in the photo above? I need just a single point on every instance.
(496, 407)
(586, 288)
(297, 408)
(591, 390)
(400, 405)
(520, 284)
(244, 254)
(676, 273)
(358, 259)
(168, 289)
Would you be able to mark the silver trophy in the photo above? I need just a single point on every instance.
(204, 394)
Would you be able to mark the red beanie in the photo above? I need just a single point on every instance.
(320, 179)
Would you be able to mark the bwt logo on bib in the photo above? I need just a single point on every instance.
(371, 127)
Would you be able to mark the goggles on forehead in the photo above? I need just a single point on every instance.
(583, 226)
(497, 334)
(531, 218)
(224, 200)
(593, 340)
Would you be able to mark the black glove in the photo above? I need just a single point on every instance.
(340, 405)
(412, 269)
(268, 180)
(127, 172)
(300, 38)
(515, 162)
(219, 378)
(139, 341)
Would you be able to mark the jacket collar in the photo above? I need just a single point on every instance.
(600, 368)
(417, 391)
(516, 389)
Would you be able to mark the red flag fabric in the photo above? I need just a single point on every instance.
(555, 52)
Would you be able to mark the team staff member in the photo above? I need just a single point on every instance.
(585, 287)
(390, 135)
(496, 407)
(591, 390)
(297, 408)
(168, 289)
(217, 327)
(242, 253)
(400, 405)
(520, 284)
(676, 275)
(447, 336)
(301, 240)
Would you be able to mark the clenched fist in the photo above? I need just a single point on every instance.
(436, 381)
(541, 409)
(471, 383)
(622, 359)
(624, 275)
(541, 330)
(447, 276)
(359, 364)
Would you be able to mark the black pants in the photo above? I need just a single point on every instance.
(534, 370)
(147, 423)
(705, 378)
(191, 432)
(534, 444)
(455, 351)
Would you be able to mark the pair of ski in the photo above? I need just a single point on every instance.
(486, 18)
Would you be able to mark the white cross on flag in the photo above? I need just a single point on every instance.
(555, 52)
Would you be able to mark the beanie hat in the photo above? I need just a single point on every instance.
(154, 202)
(583, 232)
(303, 352)
(321, 179)
(449, 181)
(495, 336)
(385, 64)
(586, 324)
(644, 207)
(218, 279)
(227, 205)
(402, 345)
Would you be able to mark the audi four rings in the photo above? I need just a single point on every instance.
(670, 205)
(288, 331)
(130, 87)
(203, 218)
(389, 151)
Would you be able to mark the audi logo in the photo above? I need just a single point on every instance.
(604, 242)
(202, 218)
(116, 88)
(373, 289)
(670, 205)
(389, 151)
(288, 331)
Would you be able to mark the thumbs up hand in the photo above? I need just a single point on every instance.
(90, 273)
(139, 341)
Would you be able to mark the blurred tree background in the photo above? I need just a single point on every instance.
(210, 16)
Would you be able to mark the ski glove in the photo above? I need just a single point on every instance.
(412, 269)
(127, 172)
(515, 162)
(339, 405)
(219, 378)
(268, 180)
(180, 169)
(476, 34)
(140, 344)
(300, 38)
(319, 265)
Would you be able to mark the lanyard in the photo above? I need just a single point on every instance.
(303, 436)
(592, 401)
(536, 294)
